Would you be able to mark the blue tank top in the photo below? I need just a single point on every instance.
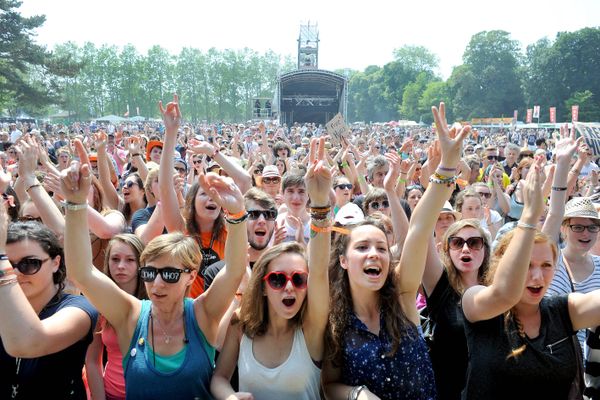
(190, 381)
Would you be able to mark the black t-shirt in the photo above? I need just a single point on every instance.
(141, 217)
(545, 370)
(55, 376)
(448, 349)
(212, 270)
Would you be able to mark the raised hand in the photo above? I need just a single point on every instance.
(566, 147)
(134, 145)
(280, 233)
(223, 191)
(450, 139)
(100, 141)
(318, 175)
(391, 178)
(171, 115)
(75, 181)
(28, 158)
(200, 147)
(533, 198)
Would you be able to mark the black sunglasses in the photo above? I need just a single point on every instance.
(168, 274)
(179, 169)
(129, 184)
(29, 266)
(457, 243)
(269, 215)
(490, 158)
(487, 195)
(344, 186)
(376, 205)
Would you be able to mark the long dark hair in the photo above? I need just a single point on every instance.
(48, 241)
(340, 301)
(191, 226)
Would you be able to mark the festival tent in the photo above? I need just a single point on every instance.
(137, 118)
(113, 119)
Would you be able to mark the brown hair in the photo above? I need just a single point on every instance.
(460, 198)
(512, 325)
(341, 306)
(138, 247)
(254, 313)
(453, 273)
(191, 226)
(373, 195)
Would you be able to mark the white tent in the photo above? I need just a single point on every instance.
(113, 119)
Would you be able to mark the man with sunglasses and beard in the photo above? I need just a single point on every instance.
(262, 213)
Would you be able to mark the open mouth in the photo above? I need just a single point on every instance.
(289, 301)
(260, 233)
(211, 207)
(584, 241)
(466, 259)
(536, 290)
(372, 271)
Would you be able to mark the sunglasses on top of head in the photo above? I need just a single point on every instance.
(270, 215)
(29, 266)
(277, 280)
(168, 274)
(457, 243)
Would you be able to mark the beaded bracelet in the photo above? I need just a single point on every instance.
(448, 181)
(8, 281)
(74, 206)
(442, 177)
(6, 272)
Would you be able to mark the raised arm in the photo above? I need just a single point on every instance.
(398, 216)
(137, 160)
(111, 197)
(564, 150)
(49, 212)
(118, 307)
(412, 263)
(485, 302)
(318, 184)
(240, 176)
(168, 197)
(212, 304)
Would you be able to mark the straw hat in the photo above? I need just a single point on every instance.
(448, 209)
(580, 207)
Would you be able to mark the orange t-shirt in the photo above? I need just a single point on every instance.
(218, 246)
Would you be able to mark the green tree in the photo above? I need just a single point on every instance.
(434, 93)
(417, 59)
(489, 81)
(28, 72)
(589, 109)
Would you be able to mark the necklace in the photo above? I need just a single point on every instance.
(167, 338)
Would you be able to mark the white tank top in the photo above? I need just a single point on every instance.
(296, 378)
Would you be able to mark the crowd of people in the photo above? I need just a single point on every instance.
(258, 261)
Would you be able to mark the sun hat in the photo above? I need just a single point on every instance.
(271, 171)
(349, 214)
(152, 144)
(447, 208)
(580, 207)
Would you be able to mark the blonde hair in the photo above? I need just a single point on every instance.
(453, 273)
(183, 248)
(510, 316)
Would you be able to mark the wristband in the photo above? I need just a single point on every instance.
(525, 225)
(344, 164)
(236, 215)
(559, 188)
(36, 184)
(8, 281)
(74, 206)
(6, 272)
(235, 221)
(400, 180)
(446, 169)
(136, 155)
